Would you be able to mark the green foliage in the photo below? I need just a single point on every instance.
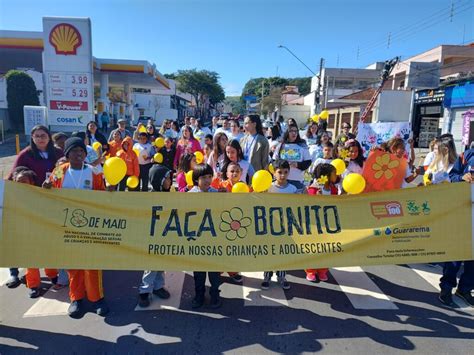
(237, 106)
(21, 91)
(170, 76)
(200, 84)
(254, 86)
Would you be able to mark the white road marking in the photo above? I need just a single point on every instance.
(432, 275)
(52, 303)
(174, 282)
(255, 296)
(362, 292)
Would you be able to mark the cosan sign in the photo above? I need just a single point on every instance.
(61, 119)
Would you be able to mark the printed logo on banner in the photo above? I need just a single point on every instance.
(65, 38)
(386, 209)
(69, 105)
(415, 209)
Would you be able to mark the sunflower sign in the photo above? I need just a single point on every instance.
(383, 171)
(374, 134)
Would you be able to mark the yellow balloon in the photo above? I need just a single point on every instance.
(142, 129)
(261, 181)
(114, 170)
(271, 169)
(132, 182)
(189, 178)
(96, 146)
(315, 118)
(137, 151)
(199, 157)
(353, 184)
(339, 165)
(158, 158)
(159, 142)
(324, 115)
(240, 187)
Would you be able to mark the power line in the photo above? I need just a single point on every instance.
(413, 29)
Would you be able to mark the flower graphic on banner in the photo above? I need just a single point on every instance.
(234, 224)
(383, 166)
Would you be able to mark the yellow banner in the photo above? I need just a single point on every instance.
(232, 232)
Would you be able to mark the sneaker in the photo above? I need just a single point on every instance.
(311, 276)
(74, 309)
(466, 297)
(237, 278)
(101, 307)
(162, 293)
(57, 287)
(197, 302)
(13, 282)
(446, 298)
(144, 300)
(34, 292)
(216, 302)
(284, 284)
(323, 276)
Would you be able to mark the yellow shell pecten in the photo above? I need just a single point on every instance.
(65, 39)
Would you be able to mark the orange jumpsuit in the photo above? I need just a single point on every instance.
(33, 279)
(82, 283)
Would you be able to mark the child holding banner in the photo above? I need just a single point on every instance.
(279, 186)
(202, 179)
(325, 178)
(397, 146)
(76, 174)
(24, 175)
(154, 281)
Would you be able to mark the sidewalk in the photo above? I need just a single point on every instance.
(8, 153)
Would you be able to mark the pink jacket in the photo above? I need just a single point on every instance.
(190, 147)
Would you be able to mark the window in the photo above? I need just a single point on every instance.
(343, 84)
(331, 120)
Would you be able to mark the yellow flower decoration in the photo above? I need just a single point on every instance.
(383, 166)
(58, 173)
(344, 154)
(322, 180)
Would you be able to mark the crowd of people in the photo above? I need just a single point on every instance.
(195, 158)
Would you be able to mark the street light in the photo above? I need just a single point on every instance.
(294, 55)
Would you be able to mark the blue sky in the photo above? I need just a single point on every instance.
(239, 39)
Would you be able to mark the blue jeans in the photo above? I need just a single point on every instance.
(449, 279)
(63, 279)
(14, 272)
(152, 280)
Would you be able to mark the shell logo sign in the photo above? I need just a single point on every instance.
(65, 39)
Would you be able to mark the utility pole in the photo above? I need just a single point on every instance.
(317, 94)
(261, 102)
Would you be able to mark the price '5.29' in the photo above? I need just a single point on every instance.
(79, 92)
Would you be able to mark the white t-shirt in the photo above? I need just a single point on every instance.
(92, 139)
(429, 158)
(78, 179)
(216, 166)
(237, 137)
(288, 189)
(294, 153)
(352, 167)
(146, 150)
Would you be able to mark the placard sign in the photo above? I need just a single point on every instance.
(34, 115)
(68, 71)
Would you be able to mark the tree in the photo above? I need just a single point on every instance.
(272, 100)
(237, 106)
(21, 91)
(203, 85)
(303, 84)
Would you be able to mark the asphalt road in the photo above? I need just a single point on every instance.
(372, 310)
